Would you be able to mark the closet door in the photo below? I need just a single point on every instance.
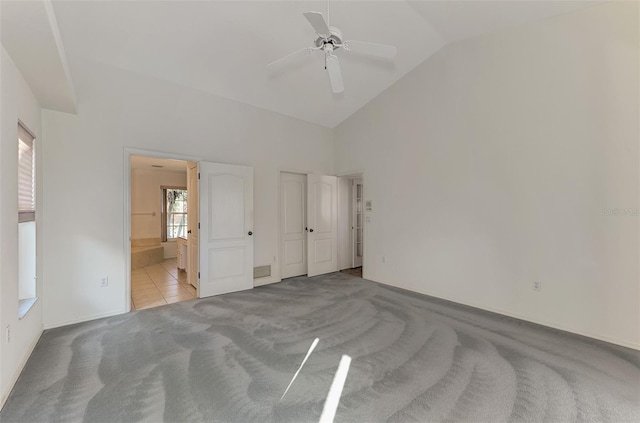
(293, 224)
(322, 223)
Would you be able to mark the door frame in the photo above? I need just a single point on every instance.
(128, 152)
(352, 175)
(354, 227)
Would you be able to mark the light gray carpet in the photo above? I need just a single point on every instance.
(230, 359)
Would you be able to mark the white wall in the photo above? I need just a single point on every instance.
(493, 165)
(146, 197)
(17, 103)
(84, 161)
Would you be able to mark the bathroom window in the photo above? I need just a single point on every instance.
(174, 222)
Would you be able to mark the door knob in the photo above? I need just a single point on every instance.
(189, 231)
(310, 230)
(250, 233)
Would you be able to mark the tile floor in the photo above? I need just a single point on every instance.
(159, 284)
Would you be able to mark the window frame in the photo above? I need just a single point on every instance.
(164, 213)
(27, 288)
(28, 215)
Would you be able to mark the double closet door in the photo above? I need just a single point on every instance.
(308, 224)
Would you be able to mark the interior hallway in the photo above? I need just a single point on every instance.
(159, 284)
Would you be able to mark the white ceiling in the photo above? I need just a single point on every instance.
(29, 33)
(223, 47)
(150, 163)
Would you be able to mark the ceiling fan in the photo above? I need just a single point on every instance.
(329, 40)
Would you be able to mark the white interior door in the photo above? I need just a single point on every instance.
(293, 221)
(192, 224)
(226, 228)
(357, 223)
(322, 221)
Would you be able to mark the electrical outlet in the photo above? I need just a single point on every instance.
(384, 259)
(537, 286)
(104, 281)
(8, 334)
(274, 259)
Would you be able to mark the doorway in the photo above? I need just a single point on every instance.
(160, 221)
(219, 217)
(351, 217)
(357, 222)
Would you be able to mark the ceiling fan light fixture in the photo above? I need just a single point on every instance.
(329, 39)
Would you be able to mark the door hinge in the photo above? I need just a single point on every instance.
(198, 175)
(198, 225)
(198, 275)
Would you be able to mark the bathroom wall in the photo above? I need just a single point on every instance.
(146, 197)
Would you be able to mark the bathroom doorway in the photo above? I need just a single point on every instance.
(159, 226)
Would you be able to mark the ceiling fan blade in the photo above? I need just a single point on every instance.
(318, 23)
(375, 49)
(282, 59)
(335, 74)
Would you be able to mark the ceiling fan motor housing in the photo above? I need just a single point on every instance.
(335, 38)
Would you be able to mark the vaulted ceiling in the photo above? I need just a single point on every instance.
(223, 47)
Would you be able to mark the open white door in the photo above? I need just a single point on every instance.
(192, 224)
(322, 221)
(226, 228)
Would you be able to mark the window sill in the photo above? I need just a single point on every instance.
(25, 305)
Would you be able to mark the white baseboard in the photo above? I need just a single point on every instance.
(18, 371)
(265, 281)
(626, 344)
(83, 319)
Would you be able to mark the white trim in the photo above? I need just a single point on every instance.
(294, 170)
(19, 368)
(351, 176)
(85, 319)
(25, 305)
(266, 281)
(563, 328)
(128, 152)
(354, 174)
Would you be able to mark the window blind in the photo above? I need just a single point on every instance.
(26, 176)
